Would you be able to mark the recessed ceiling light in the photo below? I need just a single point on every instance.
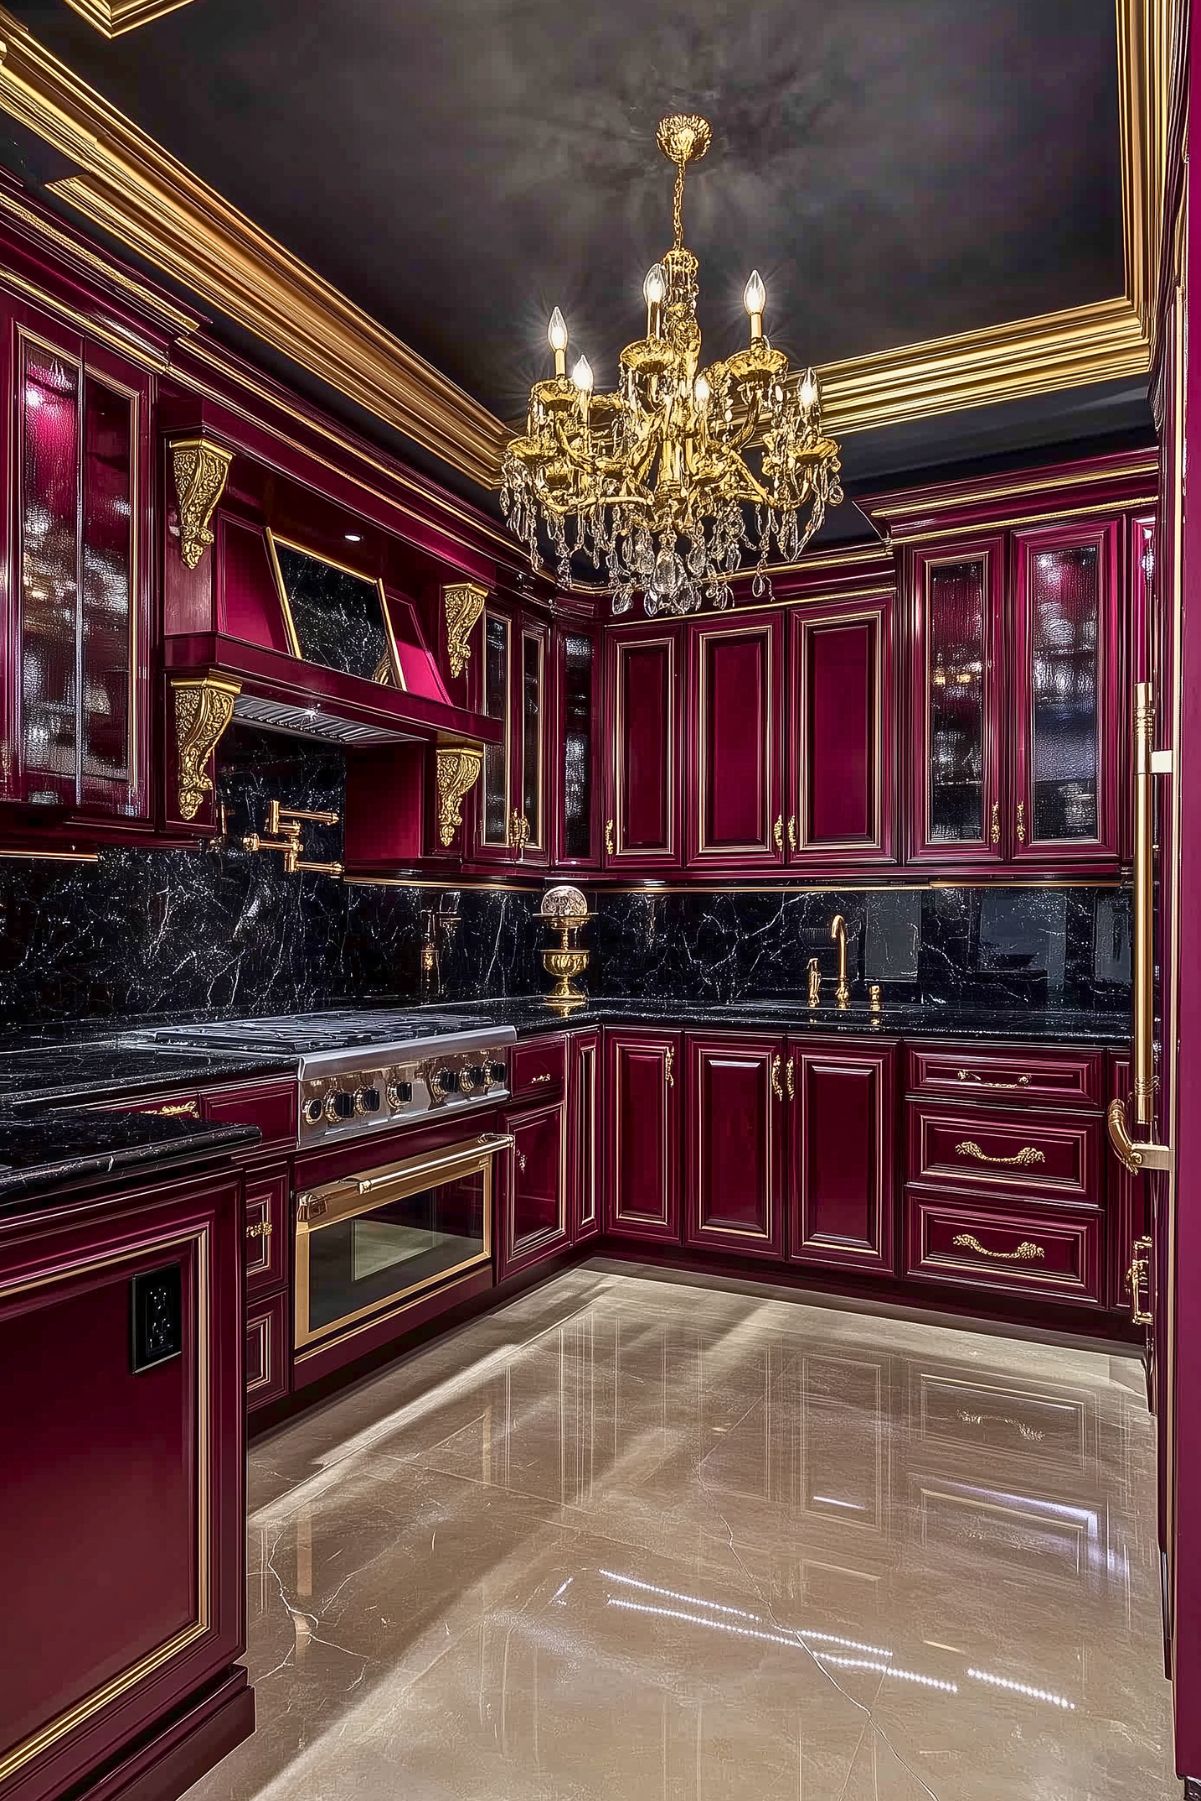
(354, 537)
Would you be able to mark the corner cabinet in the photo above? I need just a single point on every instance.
(75, 695)
(1014, 686)
(643, 1087)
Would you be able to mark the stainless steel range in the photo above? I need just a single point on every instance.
(364, 1071)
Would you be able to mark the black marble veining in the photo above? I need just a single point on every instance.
(44, 1149)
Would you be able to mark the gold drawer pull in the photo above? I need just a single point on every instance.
(544, 1077)
(969, 1075)
(177, 1110)
(261, 1230)
(1027, 1251)
(1020, 1160)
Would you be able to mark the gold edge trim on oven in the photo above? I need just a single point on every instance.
(410, 1174)
(49, 1734)
(369, 581)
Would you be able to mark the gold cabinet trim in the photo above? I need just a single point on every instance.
(200, 469)
(463, 604)
(115, 17)
(203, 709)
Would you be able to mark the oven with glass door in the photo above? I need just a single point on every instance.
(372, 1245)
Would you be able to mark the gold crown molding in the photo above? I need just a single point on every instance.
(201, 469)
(457, 768)
(132, 188)
(917, 504)
(464, 602)
(203, 709)
(113, 17)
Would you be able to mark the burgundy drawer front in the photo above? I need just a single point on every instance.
(266, 1231)
(538, 1068)
(271, 1107)
(1008, 1077)
(266, 1351)
(1022, 1154)
(1028, 1250)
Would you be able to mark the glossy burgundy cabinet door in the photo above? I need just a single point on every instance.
(533, 1210)
(642, 806)
(579, 720)
(643, 1086)
(843, 1154)
(956, 600)
(1064, 702)
(840, 785)
(735, 740)
(584, 1128)
(734, 1154)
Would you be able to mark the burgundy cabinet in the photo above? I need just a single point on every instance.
(1064, 701)
(840, 767)
(843, 1154)
(736, 736)
(734, 1155)
(123, 1556)
(533, 1203)
(512, 817)
(642, 1089)
(584, 1135)
(956, 599)
(642, 787)
(575, 786)
(75, 696)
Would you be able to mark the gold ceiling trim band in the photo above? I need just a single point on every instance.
(906, 506)
(132, 188)
(113, 17)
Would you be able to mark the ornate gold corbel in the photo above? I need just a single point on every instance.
(203, 709)
(464, 602)
(457, 767)
(200, 468)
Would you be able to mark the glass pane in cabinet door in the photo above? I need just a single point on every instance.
(496, 705)
(49, 570)
(107, 580)
(955, 660)
(578, 660)
(532, 647)
(1064, 612)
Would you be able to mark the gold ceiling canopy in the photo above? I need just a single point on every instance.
(656, 480)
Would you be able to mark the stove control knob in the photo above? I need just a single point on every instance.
(497, 1074)
(367, 1100)
(399, 1094)
(447, 1081)
(471, 1077)
(314, 1110)
(338, 1106)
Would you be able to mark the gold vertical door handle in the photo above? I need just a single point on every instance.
(521, 1159)
(792, 831)
(776, 1085)
(1021, 822)
(669, 1066)
(1136, 1275)
(790, 1078)
(610, 842)
(777, 832)
(995, 828)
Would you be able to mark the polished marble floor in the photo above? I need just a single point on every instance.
(647, 1541)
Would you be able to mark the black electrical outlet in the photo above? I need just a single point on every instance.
(156, 1316)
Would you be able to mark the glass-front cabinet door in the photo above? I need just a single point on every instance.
(1064, 691)
(494, 807)
(530, 824)
(76, 737)
(957, 802)
(577, 804)
(511, 811)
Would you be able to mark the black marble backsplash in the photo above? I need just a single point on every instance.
(164, 932)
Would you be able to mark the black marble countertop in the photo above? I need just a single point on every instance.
(43, 1149)
(531, 1014)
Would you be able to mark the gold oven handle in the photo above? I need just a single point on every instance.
(1027, 1251)
(1022, 1159)
(488, 1145)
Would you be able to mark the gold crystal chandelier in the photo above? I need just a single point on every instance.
(668, 479)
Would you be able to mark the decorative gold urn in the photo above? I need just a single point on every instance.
(565, 910)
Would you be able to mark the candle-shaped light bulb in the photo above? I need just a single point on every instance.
(810, 391)
(654, 288)
(556, 335)
(700, 388)
(581, 375)
(754, 299)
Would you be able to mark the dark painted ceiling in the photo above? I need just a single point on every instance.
(897, 169)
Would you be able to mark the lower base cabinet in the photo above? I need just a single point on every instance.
(843, 1154)
(268, 1350)
(643, 1086)
(532, 1213)
(735, 1156)
(584, 1135)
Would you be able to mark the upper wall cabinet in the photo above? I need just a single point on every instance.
(75, 712)
(575, 795)
(733, 770)
(642, 785)
(512, 814)
(840, 754)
